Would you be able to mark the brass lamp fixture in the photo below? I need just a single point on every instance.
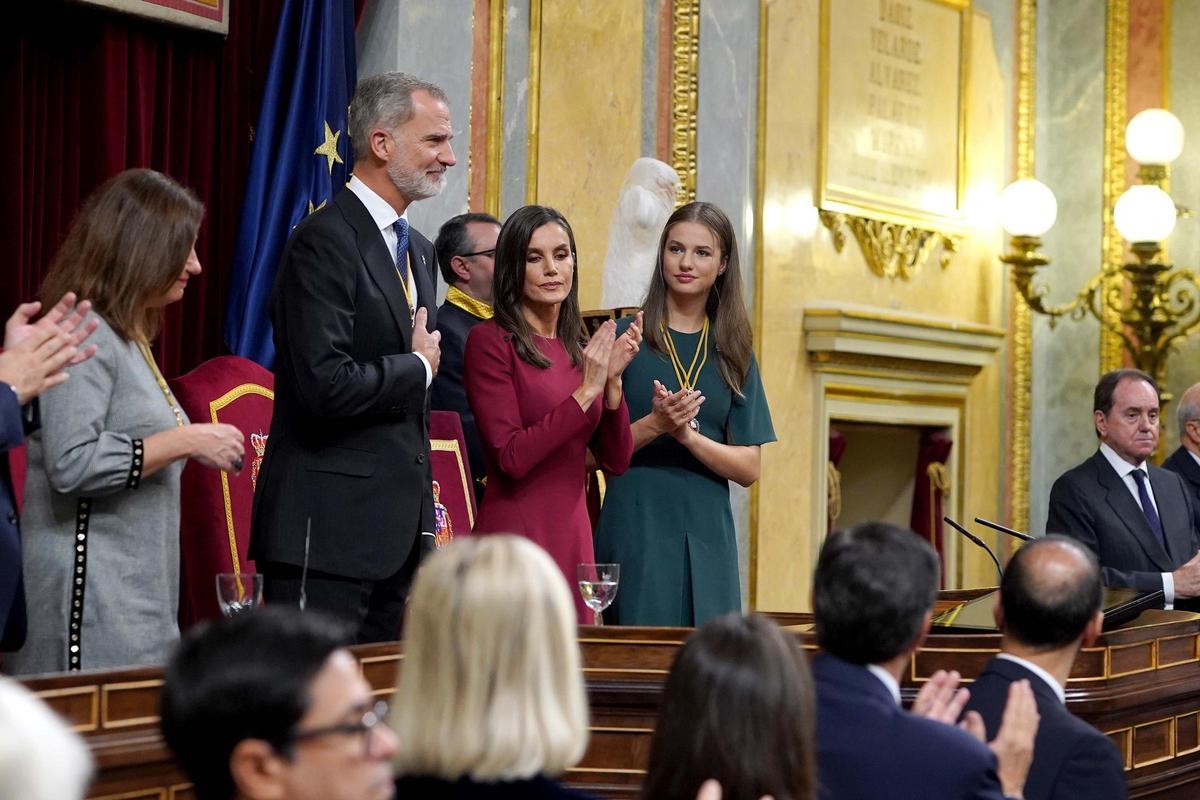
(1156, 304)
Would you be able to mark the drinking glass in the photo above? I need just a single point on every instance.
(598, 585)
(238, 592)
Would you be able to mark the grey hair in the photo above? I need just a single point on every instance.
(1188, 410)
(384, 101)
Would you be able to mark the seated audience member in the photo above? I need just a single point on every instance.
(1049, 608)
(490, 702)
(738, 708)
(466, 252)
(40, 757)
(873, 595)
(269, 704)
(1185, 461)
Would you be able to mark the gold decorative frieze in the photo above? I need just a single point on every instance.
(685, 94)
(892, 250)
(1116, 60)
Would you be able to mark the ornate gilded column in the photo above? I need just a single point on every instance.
(685, 92)
(1116, 58)
(1020, 317)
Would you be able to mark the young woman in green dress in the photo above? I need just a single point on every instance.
(700, 416)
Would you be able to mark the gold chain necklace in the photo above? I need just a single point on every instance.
(162, 382)
(691, 376)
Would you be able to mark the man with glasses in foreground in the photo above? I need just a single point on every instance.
(466, 251)
(270, 704)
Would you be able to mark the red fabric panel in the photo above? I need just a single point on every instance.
(926, 520)
(91, 92)
(452, 471)
(204, 528)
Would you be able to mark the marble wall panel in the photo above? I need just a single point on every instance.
(515, 142)
(430, 39)
(725, 158)
(1070, 160)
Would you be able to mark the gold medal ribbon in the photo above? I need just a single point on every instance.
(162, 382)
(690, 377)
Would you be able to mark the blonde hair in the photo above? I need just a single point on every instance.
(491, 686)
(40, 757)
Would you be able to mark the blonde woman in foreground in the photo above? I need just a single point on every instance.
(490, 702)
(40, 757)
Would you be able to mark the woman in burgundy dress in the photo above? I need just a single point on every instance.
(542, 397)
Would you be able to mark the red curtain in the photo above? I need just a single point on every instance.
(931, 481)
(93, 92)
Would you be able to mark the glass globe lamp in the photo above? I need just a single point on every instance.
(1027, 208)
(1144, 214)
(1154, 137)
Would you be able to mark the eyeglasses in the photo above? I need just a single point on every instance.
(489, 253)
(364, 728)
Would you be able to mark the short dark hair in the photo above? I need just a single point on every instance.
(241, 678)
(1102, 399)
(452, 240)
(873, 586)
(1049, 611)
(737, 707)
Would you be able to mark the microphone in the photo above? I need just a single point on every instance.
(976, 540)
(1024, 537)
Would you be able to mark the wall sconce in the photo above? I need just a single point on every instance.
(1162, 302)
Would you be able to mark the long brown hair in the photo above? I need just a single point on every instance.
(508, 285)
(724, 307)
(738, 706)
(127, 246)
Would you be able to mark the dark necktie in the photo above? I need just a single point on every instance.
(400, 226)
(1148, 507)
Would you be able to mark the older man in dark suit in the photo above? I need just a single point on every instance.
(1185, 461)
(1049, 608)
(1137, 518)
(344, 506)
(873, 595)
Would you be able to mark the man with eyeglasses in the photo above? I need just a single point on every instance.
(466, 251)
(270, 704)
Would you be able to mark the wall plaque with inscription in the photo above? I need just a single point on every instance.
(893, 87)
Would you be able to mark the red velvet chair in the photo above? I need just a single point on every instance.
(215, 506)
(451, 475)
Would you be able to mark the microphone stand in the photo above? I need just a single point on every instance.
(1024, 537)
(978, 541)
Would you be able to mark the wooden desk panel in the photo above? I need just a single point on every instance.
(1140, 684)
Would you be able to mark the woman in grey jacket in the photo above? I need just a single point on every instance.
(101, 515)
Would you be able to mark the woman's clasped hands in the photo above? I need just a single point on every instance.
(604, 360)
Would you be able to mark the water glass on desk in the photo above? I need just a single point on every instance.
(598, 585)
(238, 592)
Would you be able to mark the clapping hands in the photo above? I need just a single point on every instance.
(36, 353)
(604, 360)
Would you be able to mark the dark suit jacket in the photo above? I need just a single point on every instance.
(868, 747)
(1182, 464)
(15, 424)
(1071, 759)
(349, 441)
(448, 393)
(1092, 504)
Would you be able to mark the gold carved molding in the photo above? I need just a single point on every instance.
(685, 93)
(1020, 316)
(892, 250)
(1116, 59)
(535, 97)
(495, 108)
(760, 178)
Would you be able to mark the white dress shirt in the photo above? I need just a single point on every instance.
(1041, 673)
(1126, 470)
(887, 679)
(384, 217)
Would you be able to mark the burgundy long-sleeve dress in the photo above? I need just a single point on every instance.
(534, 437)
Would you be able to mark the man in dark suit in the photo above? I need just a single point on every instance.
(344, 506)
(1185, 461)
(466, 252)
(873, 595)
(1049, 608)
(33, 360)
(1136, 517)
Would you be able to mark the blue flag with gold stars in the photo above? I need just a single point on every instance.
(301, 156)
